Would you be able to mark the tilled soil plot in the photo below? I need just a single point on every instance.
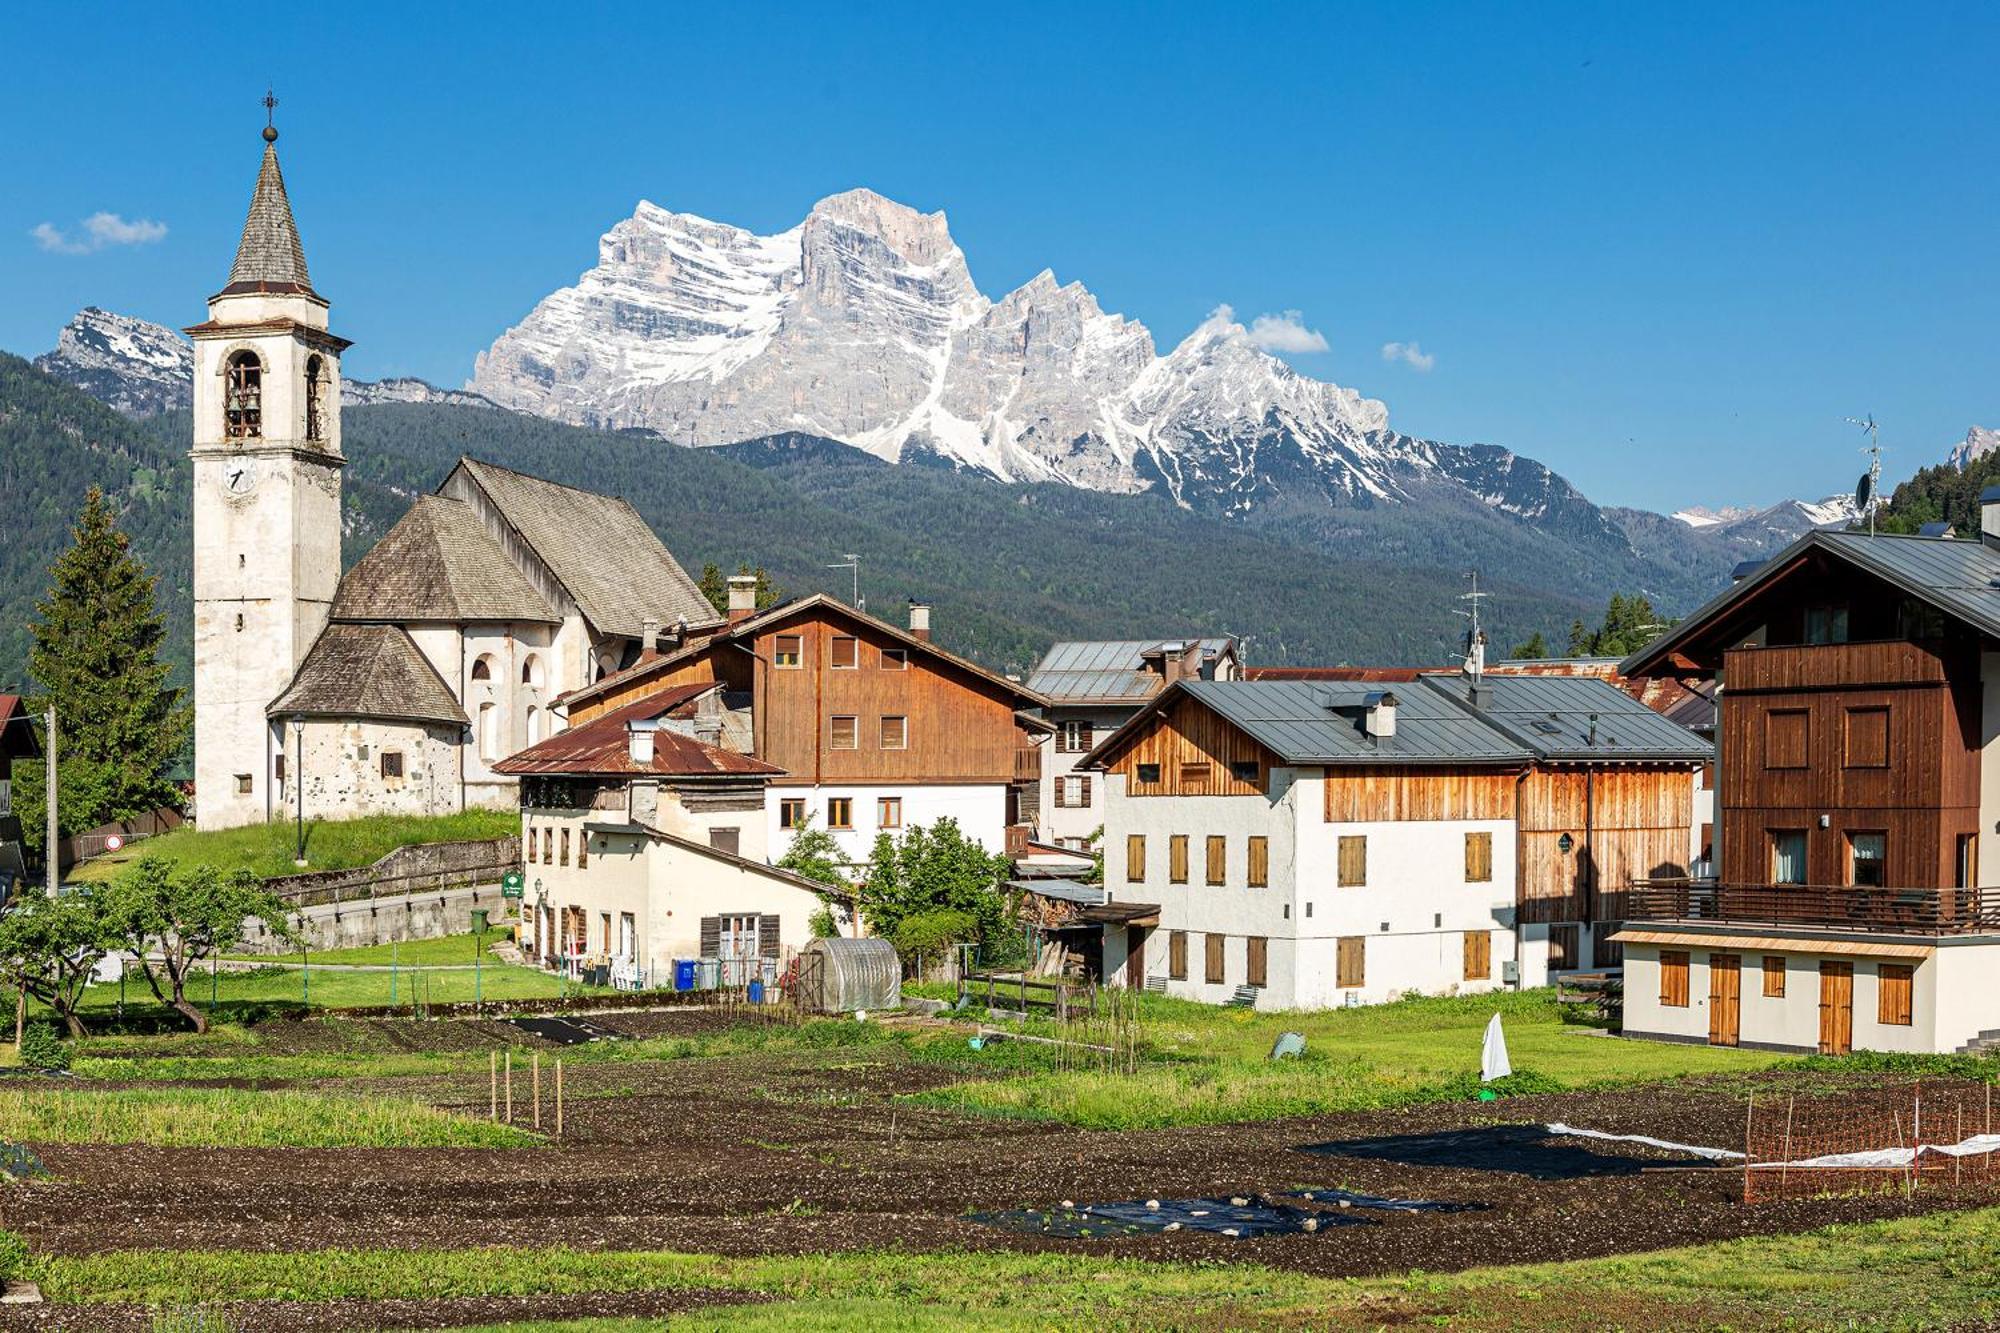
(810, 1152)
(314, 1316)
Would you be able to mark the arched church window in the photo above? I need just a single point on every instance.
(531, 671)
(489, 732)
(534, 725)
(315, 397)
(243, 396)
(482, 667)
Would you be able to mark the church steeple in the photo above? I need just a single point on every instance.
(270, 258)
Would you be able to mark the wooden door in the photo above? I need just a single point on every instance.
(1725, 998)
(1135, 957)
(1836, 1008)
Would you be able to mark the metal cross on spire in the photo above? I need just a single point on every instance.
(270, 116)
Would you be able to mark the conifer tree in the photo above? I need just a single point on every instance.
(716, 588)
(96, 659)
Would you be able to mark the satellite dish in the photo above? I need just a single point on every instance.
(1864, 490)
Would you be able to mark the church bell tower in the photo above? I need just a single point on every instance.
(267, 467)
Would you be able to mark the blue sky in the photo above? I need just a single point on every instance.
(1665, 249)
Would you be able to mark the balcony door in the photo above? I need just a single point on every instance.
(1836, 1008)
(1725, 998)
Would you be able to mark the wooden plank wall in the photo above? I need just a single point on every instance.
(1356, 795)
(1624, 823)
(1183, 733)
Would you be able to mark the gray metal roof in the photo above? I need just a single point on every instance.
(1552, 715)
(1320, 722)
(1960, 577)
(1108, 670)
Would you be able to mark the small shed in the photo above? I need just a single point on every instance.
(839, 975)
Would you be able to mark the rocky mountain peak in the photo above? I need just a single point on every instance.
(137, 367)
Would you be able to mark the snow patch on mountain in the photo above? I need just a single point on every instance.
(1978, 442)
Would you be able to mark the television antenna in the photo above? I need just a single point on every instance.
(1868, 491)
(852, 563)
(1475, 637)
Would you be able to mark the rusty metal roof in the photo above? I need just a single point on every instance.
(601, 747)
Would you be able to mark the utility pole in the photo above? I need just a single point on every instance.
(49, 850)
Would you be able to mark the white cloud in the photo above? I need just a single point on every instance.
(96, 232)
(1286, 333)
(1410, 353)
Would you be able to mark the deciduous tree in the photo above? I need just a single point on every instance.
(50, 946)
(931, 871)
(174, 920)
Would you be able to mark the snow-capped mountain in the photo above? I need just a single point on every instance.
(141, 368)
(1781, 522)
(1978, 442)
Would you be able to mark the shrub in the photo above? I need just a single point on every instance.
(43, 1048)
(13, 1256)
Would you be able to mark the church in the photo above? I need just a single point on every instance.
(399, 687)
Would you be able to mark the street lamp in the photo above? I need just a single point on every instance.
(299, 780)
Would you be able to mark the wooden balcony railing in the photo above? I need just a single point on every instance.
(1017, 840)
(1028, 763)
(1887, 911)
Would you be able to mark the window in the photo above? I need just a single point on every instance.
(1562, 948)
(1177, 857)
(844, 653)
(531, 671)
(1867, 863)
(243, 397)
(1353, 860)
(895, 733)
(628, 935)
(1177, 955)
(791, 814)
(1967, 860)
(489, 731)
(565, 848)
(1194, 777)
(1892, 994)
(787, 650)
(1256, 960)
(548, 847)
(1788, 856)
(1141, 772)
(846, 732)
(1213, 970)
(1245, 770)
(278, 768)
(604, 921)
(1865, 738)
(583, 849)
(1135, 858)
(1826, 624)
(482, 667)
(534, 724)
(1260, 861)
(1479, 858)
(728, 840)
(889, 812)
(1351, 962)
(1785, 738)
(1075, 737)
(1674, 978)
(840, 812)
(1478, 955)
(1218, 859)
(392, 763)
(1774, 975)
(315, 397)
(1073, 792)
(895, 659)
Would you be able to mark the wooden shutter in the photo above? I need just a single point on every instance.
(1259, 959)
(767, 935)
(1892, 1005)
(1352, 959)
(1260, 861)
(1865, 739)
(1083, 798)
(1478, 858)
(1774, 975)
(1478, 955)
(1086, 737)
(1135, 858)
(1353, 860)
(1213, 944)
(1218, 858)
(711, 937)
(1785, 738)
(1674, 978)
(1177, 857)
(1177, 955)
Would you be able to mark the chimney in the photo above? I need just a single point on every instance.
(742, 597)
(1380, 720)
(1989, 516)
(639, 740)
(920, 620)
(649, 638)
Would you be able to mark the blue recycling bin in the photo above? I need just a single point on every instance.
(757, 991)
(683, 974)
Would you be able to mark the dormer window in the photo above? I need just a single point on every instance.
(315, 397)
(243, 397)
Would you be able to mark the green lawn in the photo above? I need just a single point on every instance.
(445, 952)
(236, 1118)
(1201, 1064)
(267, 849)
(1918, 1272)
(337, 988)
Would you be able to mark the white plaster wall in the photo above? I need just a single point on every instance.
(341, 769)
(1074, 821)
(980, 809)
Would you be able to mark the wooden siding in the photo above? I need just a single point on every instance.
(1357, 796)
(1623, 824)
(1195, 751)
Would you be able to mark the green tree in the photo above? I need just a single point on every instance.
(716, 588)
(49, 946)
(174, 921)
(1630, 623)
(1534, 648)
(815, 854)
(930, 871)
(96, 659)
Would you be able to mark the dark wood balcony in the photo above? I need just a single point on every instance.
(1842, 908)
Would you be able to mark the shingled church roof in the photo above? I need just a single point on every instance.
(439, 563)
(367, 671)
(270, 258)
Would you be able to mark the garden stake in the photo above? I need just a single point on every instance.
(393, 950)
(559, 1098)
(535, 1079)
(510, 1085)
(493, 1088)
(1957, 1161)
